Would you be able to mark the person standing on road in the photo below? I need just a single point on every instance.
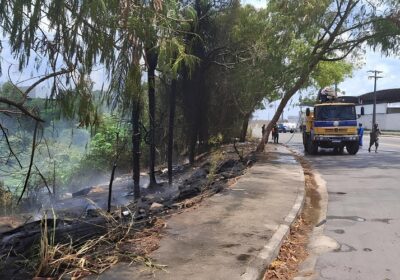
(374, 138)
(262, 130)
(360, 132)
(275, 134)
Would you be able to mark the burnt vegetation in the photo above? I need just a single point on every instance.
(179, 80)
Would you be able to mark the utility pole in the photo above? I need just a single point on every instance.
(375, 77)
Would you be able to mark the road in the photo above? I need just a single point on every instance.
(363, 213)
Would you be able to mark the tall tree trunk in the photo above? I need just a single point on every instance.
(110, 186)
(203, 115)
(136, 139)
(134, 90)
(190, 106)
(245, 125)
(172, 106)
(297, 86)
(192, 144)
(152, 59)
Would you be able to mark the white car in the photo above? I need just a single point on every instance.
(290, 127)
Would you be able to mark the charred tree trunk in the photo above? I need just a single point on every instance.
(192, 145)
(203, 113)
(136, 148)
(190, 111)
(172, 107)
(110, 187)
(152, 59)
(197, 111)
(20, 240)
(245, 126)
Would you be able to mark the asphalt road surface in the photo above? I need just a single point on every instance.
(363, 213)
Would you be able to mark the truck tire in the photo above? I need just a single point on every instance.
(352, 148)
(312, 147)
(305, 142)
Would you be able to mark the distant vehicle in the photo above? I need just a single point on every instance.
(282, 128)
(290, 127)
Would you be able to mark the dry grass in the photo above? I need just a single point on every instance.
(94, 256)
(293, 252)
(6, 199)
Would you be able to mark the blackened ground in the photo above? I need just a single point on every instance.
(208, 176)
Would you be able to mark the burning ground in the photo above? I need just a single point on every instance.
(82, 239)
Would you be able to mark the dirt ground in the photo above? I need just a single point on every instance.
(294, 249)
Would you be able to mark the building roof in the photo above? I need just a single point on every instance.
(382, 96)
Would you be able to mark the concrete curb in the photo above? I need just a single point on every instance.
(318, 243)
(256, 269)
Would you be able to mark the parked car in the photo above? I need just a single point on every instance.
(282, 128)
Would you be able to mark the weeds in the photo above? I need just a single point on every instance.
(6, 198)
(216, 158)
(94, 256)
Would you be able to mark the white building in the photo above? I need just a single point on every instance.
(387, 109)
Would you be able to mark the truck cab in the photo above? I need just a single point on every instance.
(331, 125)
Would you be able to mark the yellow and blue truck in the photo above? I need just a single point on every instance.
(332, 124)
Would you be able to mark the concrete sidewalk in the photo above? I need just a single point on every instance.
(234, 234)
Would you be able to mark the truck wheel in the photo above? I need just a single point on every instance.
(352, 148)
(312, 147)
(305, 142)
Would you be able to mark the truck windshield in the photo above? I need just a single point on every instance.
(337, 113)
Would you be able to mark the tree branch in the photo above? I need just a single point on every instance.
(30, 163)
(9, 145)
(44, 180)
(21, 108)
(340, 57)
(54, 74)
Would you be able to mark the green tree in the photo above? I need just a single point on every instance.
(79, 37)
(305, 33)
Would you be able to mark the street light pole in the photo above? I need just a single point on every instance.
(375, 77)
